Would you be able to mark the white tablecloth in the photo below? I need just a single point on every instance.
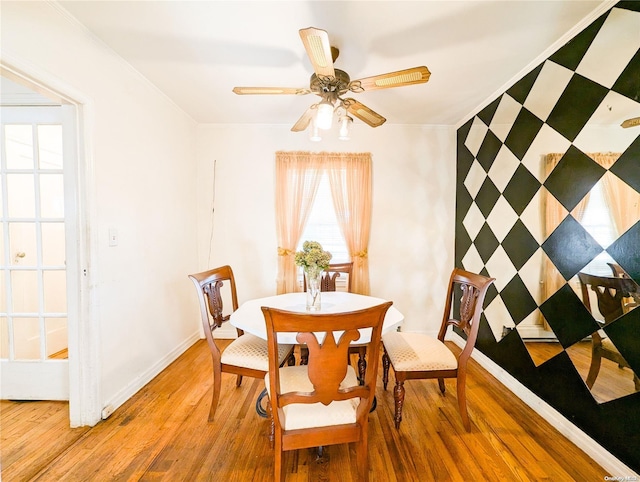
(249, 317)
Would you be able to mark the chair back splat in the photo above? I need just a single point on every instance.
(322, 403)
(328, 283)
(247, 355)
(419, 356)
(330, 275)
(468, 290)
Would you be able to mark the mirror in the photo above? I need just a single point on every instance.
(555, 192)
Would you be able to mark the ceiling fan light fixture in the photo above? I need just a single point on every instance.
(345, 128)
(314, 132)
(324, 116)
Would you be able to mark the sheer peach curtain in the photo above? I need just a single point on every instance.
(297, 178)
(350, 180)
(553, 213)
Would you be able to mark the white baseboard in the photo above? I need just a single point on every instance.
(132, 388)
(551, 415)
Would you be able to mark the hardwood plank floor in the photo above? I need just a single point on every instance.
(162, 434)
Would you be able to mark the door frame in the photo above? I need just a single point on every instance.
(85, 404)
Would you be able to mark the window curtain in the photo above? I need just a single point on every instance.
(298, 175)
(350, 181)
(621, 200)
(297, 179)
(553, 213)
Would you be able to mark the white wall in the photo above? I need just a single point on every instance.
(141, 152)
(412, 238)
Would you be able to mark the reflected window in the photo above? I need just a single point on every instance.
(597, 218)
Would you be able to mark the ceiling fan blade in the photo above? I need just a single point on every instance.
(363, 113)
(634, 121)
(269, 90)
(316, 43)
(305, 120)
(416, 75)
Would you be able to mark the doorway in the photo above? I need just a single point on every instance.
(33, 298)
(44, 276)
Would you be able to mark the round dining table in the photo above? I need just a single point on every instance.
(249, 317)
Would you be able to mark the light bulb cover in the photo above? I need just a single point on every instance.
(345, 128)
(314, 133)
(324, 116)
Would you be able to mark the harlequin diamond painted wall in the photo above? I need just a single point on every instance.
(568, 109)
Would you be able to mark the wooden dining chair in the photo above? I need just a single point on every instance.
(331, 274)
(247, 355)
(633, 301)
(419, 356)
(611, 294)
(322, 403)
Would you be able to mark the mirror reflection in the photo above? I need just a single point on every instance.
(584, 199)
(609, 209)
(607, 297)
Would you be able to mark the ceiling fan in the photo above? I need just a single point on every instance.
(331, 84)
(633, 122)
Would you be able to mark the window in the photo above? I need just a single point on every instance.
(322, 225)
(598, 222)
(304, 213)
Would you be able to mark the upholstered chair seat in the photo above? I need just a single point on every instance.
(417, 352)
(299, 415)
(251, 352)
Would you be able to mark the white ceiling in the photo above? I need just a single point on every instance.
(197, 51)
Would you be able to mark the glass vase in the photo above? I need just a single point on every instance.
(312, 279)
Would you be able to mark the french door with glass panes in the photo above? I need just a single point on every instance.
(33, 282)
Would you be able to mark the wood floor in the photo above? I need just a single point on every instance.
(162, 434)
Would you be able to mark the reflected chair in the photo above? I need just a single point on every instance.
(634, 300)
(247, 355)
(322, 403)
(418, 356)
(611, 293)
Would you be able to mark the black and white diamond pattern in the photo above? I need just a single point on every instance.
(502, 183)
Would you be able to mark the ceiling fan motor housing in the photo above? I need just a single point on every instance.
(324, 85)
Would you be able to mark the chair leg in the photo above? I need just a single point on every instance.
(362, 458)
(291, 361)
(279, 474)
(272, 426)
(304, 355)
(462, 403)
(238, 380)
(594, 369)
(385, 369)
(362, 363)
(398, 397)
(216, 393)
(441, 385)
